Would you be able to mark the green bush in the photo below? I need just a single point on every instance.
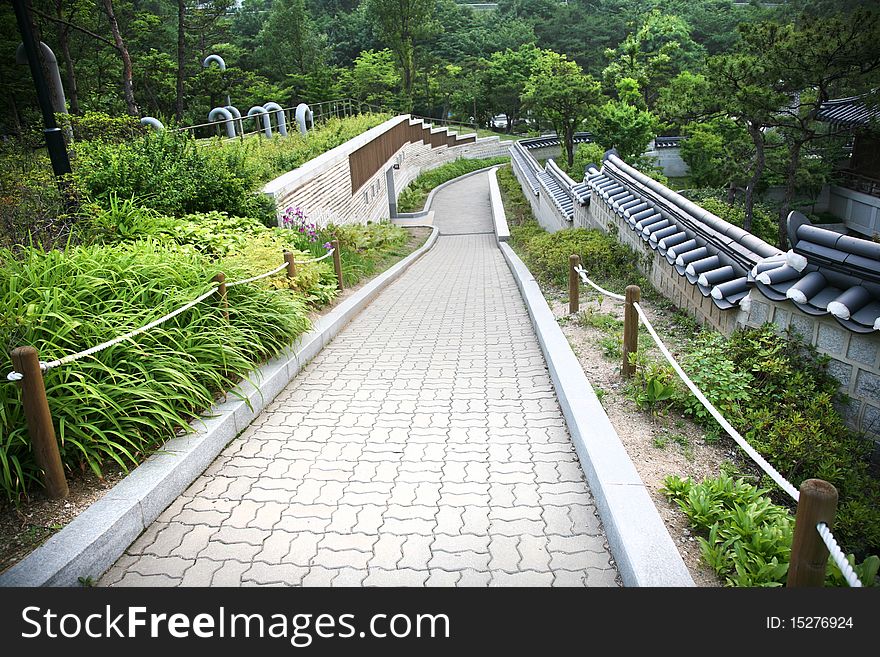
(516, 206)
(415, 194)
(546, 254)
(744, 537)
(776, 391)
(175, 175)
(122, 403)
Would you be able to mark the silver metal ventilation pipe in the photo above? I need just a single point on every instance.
(227, 116)
(280, 118)
(154, 123)
(267, 122)
(303, 113)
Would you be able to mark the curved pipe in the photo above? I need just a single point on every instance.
(280, 119)
(214, 58)
(267, 122)
(225, 114)
(303, 113)
(59, 102)
(154, 123)
(235, 113)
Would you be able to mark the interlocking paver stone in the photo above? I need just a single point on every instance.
(423, 446)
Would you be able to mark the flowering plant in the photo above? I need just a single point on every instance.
(296, 219)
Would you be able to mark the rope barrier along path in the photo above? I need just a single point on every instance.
(781, 481)
(17, 376)
(259, 277)
(306, 262)
(837, 555)
(583, 274)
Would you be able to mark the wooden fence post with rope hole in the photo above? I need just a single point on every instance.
(574, 289)
(291, 267)
(221, 290)
(630, 329)
(26, 360)
(337, 263)
(809, 555)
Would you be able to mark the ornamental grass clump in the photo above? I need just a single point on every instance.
(119, 405)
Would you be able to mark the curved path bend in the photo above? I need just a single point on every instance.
(423, 446)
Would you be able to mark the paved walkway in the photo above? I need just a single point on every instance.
(423, 446)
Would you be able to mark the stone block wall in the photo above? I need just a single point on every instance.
(855, 358)
(322, 186)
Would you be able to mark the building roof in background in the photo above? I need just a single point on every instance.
(852, 112)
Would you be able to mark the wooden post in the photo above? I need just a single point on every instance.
(221, 290)
(574, 288)
(26, 360)
(809, 556)
(337, 263)
(291, 267)
(630, 329)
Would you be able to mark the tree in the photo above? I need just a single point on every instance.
(374, 78)
(814, 59)
(624, 124)
(559, 91)
(122, 48)
(400, 23)
(288, 43)
(654, 54)
(719, 153)
(505, 78)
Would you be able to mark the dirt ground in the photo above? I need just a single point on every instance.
(26, 527)
(658, 444)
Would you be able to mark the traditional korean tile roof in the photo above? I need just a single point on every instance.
(852, 112)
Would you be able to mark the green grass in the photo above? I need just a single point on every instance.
(413, 197)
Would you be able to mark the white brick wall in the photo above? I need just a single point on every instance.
(322, 187)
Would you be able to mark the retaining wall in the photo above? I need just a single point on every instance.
(322, 187)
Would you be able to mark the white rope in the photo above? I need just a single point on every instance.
(256, 278)
(781, 481)
(837, 554)
(306, 262)
(583, 275)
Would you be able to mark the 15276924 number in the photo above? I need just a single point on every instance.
(809, 623)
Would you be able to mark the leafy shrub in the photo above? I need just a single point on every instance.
(718, 377)
(546, 254)
(125, 401)
(776, 391)
(168, 172)
(745, 537)
(174, 174)
(415, 194)
(99, 126)
(584, 156)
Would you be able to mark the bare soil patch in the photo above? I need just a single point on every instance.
(659, 444)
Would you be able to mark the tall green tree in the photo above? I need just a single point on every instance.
(624, 123)
(560, 92)
(505, 78)
(400, 23)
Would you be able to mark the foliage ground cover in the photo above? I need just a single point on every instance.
(414, 195)
(152, 230)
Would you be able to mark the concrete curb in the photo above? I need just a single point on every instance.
(97, 537)
(641, 545)
(499, 217)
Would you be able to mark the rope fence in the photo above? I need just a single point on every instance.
(28, 368)
(816, 499)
